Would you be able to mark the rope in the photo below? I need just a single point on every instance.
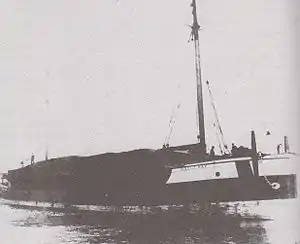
(171, 125)
(172, 121)
(218, 140)
(217, 124)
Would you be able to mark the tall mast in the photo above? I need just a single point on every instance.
(195, 38)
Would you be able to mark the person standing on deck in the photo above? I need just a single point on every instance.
(32, 159)
(212, 152)
(233, 149)
(279, 149)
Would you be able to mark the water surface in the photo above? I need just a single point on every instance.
(273, 222)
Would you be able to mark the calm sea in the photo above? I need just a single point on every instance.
(272, 222)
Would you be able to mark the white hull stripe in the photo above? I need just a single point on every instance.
(226, 169)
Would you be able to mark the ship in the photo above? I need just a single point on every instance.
(171, 175)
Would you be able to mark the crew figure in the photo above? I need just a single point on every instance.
(279, 147)
(233, 149)
(212, 151)
(32, 159)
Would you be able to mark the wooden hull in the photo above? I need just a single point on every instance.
(212, 181)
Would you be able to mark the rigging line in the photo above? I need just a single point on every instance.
(216, 125)
(221, 142)
(218, 140)
(169, 136)
(171, 125)
(216, 116)
(172, 119)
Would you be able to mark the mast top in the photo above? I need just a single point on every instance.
(195, 27)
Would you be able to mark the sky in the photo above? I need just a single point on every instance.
(86, 77)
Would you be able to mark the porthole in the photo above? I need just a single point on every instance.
(217, 174)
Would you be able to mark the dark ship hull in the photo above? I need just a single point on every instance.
(148, 178)
(184, 194)
(112, 178)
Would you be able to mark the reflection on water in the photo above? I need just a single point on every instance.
(178, 226)
(264, 222)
